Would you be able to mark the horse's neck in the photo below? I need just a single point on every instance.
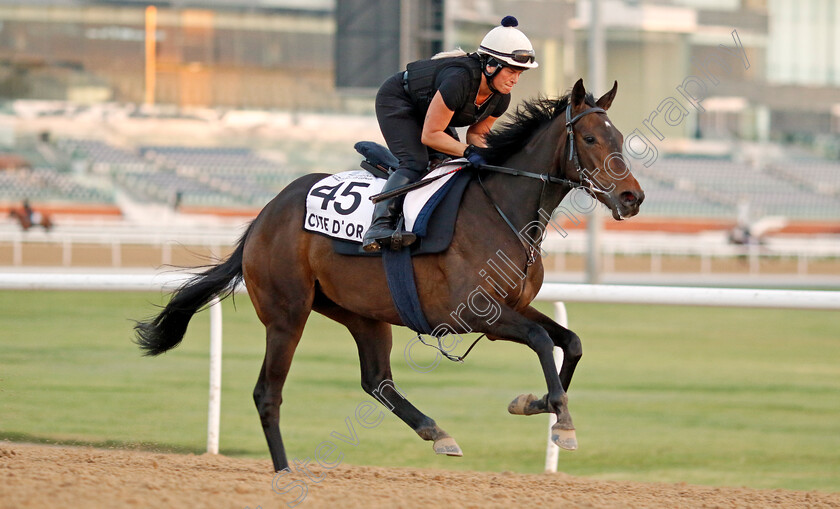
(525, 199)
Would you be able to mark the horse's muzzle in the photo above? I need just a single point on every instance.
(627, 204)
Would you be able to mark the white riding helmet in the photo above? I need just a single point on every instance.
(508, 45)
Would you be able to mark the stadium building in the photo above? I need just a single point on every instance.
(104, 95)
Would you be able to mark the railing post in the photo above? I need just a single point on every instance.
(755, 261)
(655, 262)
(67, 252)
(116, 253)
(166, 253)
(705, 264)
(17, 253)
(215, 402)
(552, 452)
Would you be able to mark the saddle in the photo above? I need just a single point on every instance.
(440, 225)
(378, 159)
(381, 162)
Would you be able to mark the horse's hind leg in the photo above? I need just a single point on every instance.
(282, 337)
(374, 343)
(373, 340)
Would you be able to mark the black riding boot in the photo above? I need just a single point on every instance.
(385, 215)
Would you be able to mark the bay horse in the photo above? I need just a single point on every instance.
(39, 219)
(290, 272)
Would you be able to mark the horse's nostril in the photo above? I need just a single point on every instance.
(628, 198)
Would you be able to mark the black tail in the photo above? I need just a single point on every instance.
(166, 330)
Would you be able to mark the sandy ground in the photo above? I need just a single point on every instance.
(69, 477)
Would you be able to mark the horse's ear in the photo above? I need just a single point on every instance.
(606, 100)
(578, 94)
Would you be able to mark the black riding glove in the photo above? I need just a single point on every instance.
(474, 156)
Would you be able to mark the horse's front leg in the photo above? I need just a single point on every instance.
(513, 326)
(563, 338)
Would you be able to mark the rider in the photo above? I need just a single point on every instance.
(27, 211)
(418, 110)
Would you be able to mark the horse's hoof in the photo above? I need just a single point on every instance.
(447, 446)
(564, 438)
(520, 404)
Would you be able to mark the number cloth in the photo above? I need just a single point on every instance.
(339, 206)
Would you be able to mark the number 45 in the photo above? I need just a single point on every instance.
(327, 194)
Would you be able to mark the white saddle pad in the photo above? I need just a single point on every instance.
(339, 206)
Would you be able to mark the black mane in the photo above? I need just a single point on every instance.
(519, 126)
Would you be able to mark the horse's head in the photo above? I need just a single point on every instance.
(592, 153)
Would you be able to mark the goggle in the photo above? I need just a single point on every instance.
(520, 56)
(523, 56)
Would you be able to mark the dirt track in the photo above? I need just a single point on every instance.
(70, 477)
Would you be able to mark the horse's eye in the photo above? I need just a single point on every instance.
(589, 139)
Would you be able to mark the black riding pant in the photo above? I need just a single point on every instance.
(401, 128)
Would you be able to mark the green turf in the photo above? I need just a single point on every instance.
(702, 395)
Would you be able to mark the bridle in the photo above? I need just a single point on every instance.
(584, 182)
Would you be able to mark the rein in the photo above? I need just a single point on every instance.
(584, 182)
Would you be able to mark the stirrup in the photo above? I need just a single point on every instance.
(378, 242)
(401, 238)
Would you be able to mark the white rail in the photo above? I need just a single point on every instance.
(113, 240)
(708, 247)
(91, 281)
(553, 292)
(691, 296)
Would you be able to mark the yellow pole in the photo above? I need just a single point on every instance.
(151, 28)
